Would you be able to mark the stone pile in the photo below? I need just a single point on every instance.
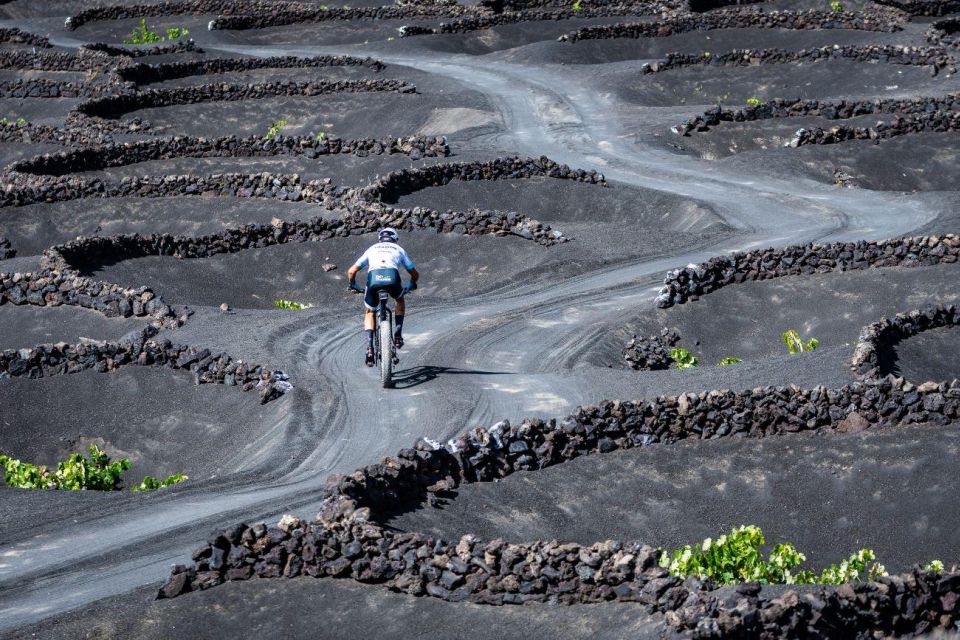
(695, 280)
(869, 19)
(651, 353)
(147, 73)
(345, 540)
(828, 109)
(52, 287)
(181, 46)
(6, 249)
(935, 57)
(17, 36)
(36, 133)
(139, 348)
(883, 335)
(117, 155)
(114, 106)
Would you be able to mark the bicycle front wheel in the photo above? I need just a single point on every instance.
(386, 355)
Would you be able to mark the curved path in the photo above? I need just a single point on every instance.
(510, 353)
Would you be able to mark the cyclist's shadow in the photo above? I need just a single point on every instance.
(415, 376)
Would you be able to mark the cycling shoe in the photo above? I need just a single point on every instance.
(370, 359)
(398, 341)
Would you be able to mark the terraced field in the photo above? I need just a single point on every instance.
(594, 192)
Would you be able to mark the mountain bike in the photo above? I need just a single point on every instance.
(383, 335)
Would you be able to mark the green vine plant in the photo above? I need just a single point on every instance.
(753, 102)
(275, 128)
(321, 136)
(795, 343)
(77, 473)
(836, 5)
(735, 557)
(142, 34)
(729, 360)
(683, 358)
(577, 5)
(290, 304)
(936, 566)
(18, 123)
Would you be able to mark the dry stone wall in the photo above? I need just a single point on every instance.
(651, 353)
(182, 46)
(14, 35)
(871, 19)
(117, 155)
(52, 287)
(924, 7)
(828, 109)
(935, 57)
(695, 280)
(883, 335)
(147, 73)
(6, 249)
(141, 348)
(116, 105)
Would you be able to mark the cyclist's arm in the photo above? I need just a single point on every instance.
(355, 269)
(409, 266)
(414, 274)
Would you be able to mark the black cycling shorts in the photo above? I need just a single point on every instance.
(385, 279)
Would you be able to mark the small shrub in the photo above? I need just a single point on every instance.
(175, 33)
(707, 54)
(796, 345)
(753, 102)
(142, 34)
(290, 304)
(275, 128)
(577, 5)
(321, 136)
(683, 358)
(836, 5)
(934, 565)
(735, 557)
(149, 483)
(729, 360)
(76, 473)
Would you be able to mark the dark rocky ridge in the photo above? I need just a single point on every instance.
(923, 7)
(689, 283)
(181, 46)
(6, 249)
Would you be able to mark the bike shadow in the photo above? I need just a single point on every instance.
(415, 376)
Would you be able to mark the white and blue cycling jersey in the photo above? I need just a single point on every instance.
(385, 255)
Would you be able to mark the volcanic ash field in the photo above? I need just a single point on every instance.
(688, 274)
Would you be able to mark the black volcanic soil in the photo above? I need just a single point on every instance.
(33, 228)
(930, 355)
(341, 608)
(747, 320)
(129, 414)
(27, 325)
(679, 494)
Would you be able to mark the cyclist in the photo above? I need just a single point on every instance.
(382, 262)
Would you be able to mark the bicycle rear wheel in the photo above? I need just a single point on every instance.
(386, 355)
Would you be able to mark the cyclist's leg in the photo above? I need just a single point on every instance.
(369, 322)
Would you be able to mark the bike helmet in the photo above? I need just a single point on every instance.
(388, 235)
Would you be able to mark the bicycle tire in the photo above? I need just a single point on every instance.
(386, 355)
